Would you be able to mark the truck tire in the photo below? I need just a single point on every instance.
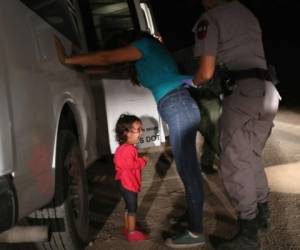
(68, 213)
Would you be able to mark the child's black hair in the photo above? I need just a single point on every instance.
(124, 124)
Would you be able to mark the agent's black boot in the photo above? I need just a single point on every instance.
(208, 169)
(246, 239)
(263, 216)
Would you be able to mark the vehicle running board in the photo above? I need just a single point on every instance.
(19, 234)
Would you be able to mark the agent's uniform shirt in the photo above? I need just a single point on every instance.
(232, 34)
(128, 167)
(157, 69)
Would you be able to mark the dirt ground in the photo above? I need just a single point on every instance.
(163, 196)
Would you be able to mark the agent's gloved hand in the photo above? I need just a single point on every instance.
(190, 83)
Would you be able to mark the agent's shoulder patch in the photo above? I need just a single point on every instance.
(201, 30)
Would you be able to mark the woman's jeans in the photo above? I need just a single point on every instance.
(179, 110)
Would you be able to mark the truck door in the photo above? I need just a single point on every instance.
(144, 15)
(118, 93)
(28, 91)
(6, 148)
(34, 83)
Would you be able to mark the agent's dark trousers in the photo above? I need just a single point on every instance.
(245, 125)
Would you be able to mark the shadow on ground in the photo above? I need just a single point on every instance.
(104, 194)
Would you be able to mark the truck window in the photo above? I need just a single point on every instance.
(111, 17)
(60, 14)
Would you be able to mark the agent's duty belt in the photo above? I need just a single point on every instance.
(224, 80)
(262, 74)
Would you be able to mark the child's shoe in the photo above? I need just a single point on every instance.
(125, 231)
(137, 236)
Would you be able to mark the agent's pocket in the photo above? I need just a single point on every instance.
(252, 88)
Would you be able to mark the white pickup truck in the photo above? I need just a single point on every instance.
(51, 126)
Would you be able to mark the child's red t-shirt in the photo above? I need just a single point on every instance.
(128, 167)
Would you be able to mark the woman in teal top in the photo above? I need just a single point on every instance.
(155, 69)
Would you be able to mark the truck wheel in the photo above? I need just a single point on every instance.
(68, 214)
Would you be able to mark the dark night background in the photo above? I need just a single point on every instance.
(279, 20)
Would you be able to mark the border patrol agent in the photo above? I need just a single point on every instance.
(228, 33)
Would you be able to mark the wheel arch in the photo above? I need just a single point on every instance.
(68, 120)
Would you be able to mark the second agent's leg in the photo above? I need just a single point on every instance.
(210, 112)
(207, 159)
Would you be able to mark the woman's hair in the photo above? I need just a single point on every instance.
(125, 38)
(124, 124)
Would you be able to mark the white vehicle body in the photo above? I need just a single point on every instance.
(37, 94)
(43, 102)
(34, 89)
(134, 100)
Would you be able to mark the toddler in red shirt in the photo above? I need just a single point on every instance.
(128, 166)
